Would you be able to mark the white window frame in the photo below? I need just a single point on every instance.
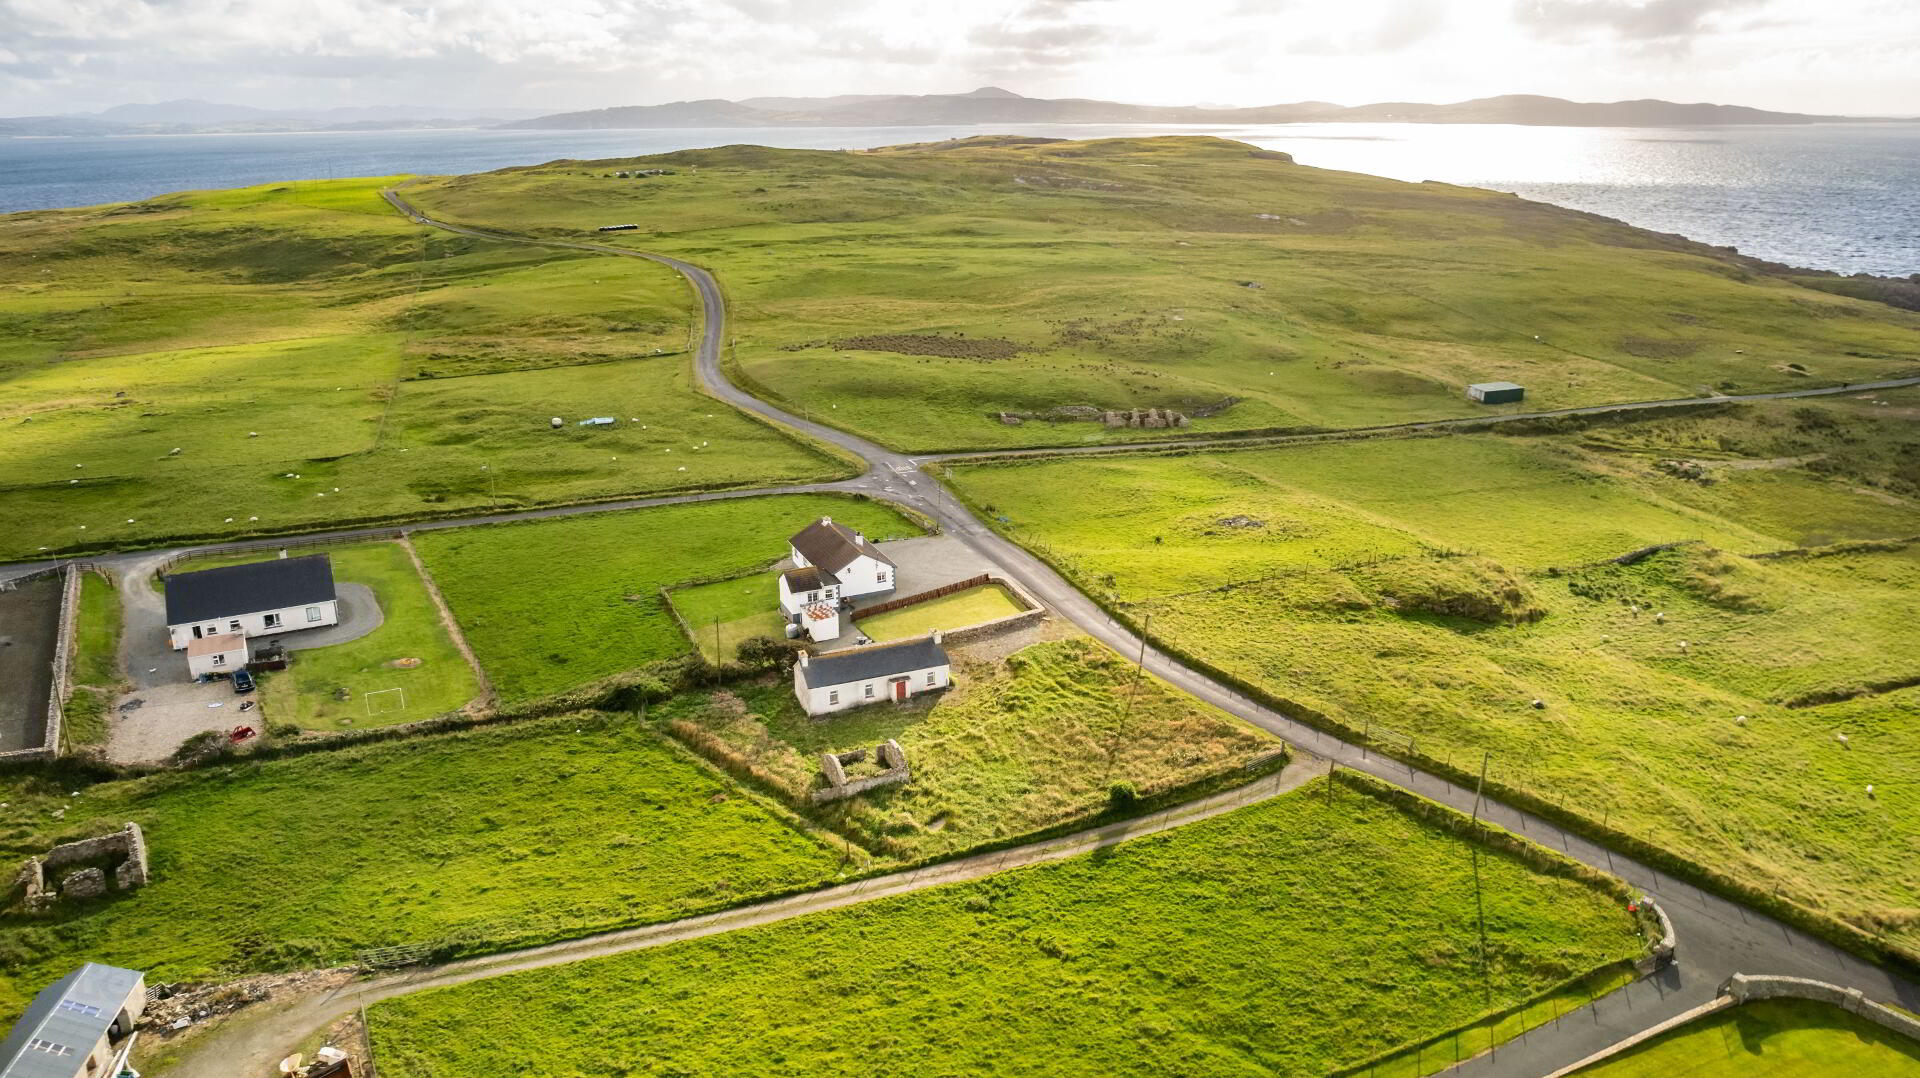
(271, 621)
(313, 614)
(869, 690)
(234, 626)
(833, 696)
(930, 676)
(220, 660)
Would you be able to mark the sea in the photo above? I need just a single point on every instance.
(1838, 196)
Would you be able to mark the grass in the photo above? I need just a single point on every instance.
(96, 656)
(166, 366)
(1316, 935)
(325, 688)
(721, 614)
(83, 721)
(1016, 746)
(915, 294)
(1474, 1038)
(470, 841)
(1773, 1038)
(963, 608)
(596, 609)
(1428, 590)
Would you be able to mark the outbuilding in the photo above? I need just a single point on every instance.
(80, 1026)
(255, 599)
(221, 654)
(1495, 392)
(839, 680)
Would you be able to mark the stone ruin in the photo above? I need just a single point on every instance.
(1147, 417)
(833, 767)
(124, 852)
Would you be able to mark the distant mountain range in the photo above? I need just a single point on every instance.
(992, 105)
(985, 106)
(208, 117)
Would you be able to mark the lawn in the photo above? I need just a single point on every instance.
(472, 841)
(284, 357)
(1772, 1038)
(325, 688)
(721, 614)
(1017, 745)
(551, 604)
(96, 664)
(1318, 934)
(918, 294)
(1731, 708)
(963, 608)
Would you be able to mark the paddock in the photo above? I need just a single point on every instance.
(29, 640)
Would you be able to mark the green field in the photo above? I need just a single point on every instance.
(472, 841)
(915, 294)
(721, 614)
(1430, 589)
(1317, 934)
(1772, 1038)
(96, 664)
(555, 603)
(1016, 746)
(962, 608)
(306, 330)
(325, 688)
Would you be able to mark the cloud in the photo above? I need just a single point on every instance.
(1649, 21)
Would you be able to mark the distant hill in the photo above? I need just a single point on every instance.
(990, 105)
(190, 116)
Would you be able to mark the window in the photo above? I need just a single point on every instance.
(313, 613)
(271, 621)
(49, 1047)
(869, 690)
(87, 1009)
(213, 630)
(881, 576)
(813, 597)
(233, 626)
(930, 676)
(219, 660)
(833, 696)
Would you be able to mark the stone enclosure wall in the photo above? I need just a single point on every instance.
(833, 767)
(127, 846)
(1742, 987)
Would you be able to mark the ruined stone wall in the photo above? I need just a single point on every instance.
(833, 768)
(128, 843)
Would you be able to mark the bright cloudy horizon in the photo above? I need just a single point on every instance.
(1856, 57)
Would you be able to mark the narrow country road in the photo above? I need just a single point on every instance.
(1716, 937)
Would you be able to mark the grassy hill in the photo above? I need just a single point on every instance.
(914, 293)
(1434, 589)
(298, 355)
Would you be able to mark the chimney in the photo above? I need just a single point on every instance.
(936, 636)
(803, 658)
(859, 537)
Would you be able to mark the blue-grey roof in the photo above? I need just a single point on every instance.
(872, 661)
(228, 592)
(1494, 385)
(74, 1011)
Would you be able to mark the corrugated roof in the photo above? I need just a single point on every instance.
(809, 578)
(872, 661)
(833, 546)
(211, 594)
(74, 1012)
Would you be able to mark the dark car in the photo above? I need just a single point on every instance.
(242, 681)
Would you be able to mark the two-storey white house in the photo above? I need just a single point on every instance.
(810, 597)
(839, 680)
(856, 566)
(261, 598)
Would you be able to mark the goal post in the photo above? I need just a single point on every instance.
(385, 701)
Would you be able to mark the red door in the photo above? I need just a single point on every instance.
(900, 689)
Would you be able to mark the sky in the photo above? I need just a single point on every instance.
(1858, 57)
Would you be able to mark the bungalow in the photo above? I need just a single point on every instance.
(839, 680)
(855, 566)
(257, 599)
(80, 1026)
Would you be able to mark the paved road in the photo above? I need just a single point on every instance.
(1717, 937)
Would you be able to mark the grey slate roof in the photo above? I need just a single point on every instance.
(211, 594)
(833, 546)
(872, 661)
(809, 578)
(91, 987)
(1495, 385)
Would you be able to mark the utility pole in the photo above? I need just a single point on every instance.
(1479, 897)
(1126, 713)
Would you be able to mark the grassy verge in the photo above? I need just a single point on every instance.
(597, 608)
(1774, 1038)
(469, 842)
(1275, 960)
(96, 656)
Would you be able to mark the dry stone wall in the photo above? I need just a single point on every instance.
(1743, 987)
(128, 845)
(833, 768)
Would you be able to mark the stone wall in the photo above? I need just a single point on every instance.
(1742, 987)
(129, 844)
(1661, 951)
(833, 768)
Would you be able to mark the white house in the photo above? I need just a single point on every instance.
(222, 654)
(810, 597)
(856, 566)
(80, 1026)
(260, 598)
(839, 680)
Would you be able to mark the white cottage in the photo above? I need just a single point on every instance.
(839, 680)
(856, 566)
(260, 598)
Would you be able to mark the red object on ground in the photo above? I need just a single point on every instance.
(240, 733)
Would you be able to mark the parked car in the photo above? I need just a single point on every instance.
(242, 681)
